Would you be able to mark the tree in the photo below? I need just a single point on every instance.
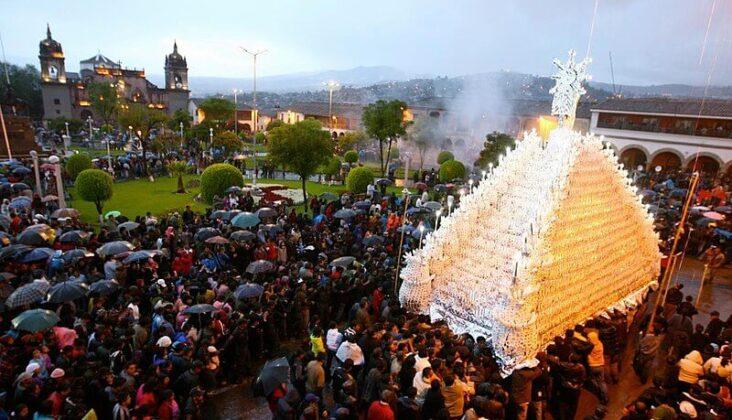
(95, 186)
(228, 143)
(103, 99)
(351, 156)
(422, 134)
(217, 110)
(217, 178)
(180, 116)
(451, 169)
(444, 156)
(142, 120)
(77, 163)
(495, 145)
(301, 147)
(165, 142)
(179, 168)
(274, 124)
(358, 179)
(384, 121)
(351, 140)
(26, 85)
(58, 125)
(333, 167)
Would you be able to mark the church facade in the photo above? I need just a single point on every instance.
(65, 95)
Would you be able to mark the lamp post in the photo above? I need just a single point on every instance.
(405, 193)
(255, 114)
(236, 118)
(331, 85)
(438, 213)
(54, 160)
(421, 234)
(470, 182)
(181, 133)
(109, 158)
(89, 120)
(67, 139)
(34, 155)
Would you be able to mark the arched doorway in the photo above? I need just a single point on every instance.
(632, 157)
(246, 128)
(705, 164)
(666, 160)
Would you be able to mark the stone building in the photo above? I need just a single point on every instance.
(64, 93)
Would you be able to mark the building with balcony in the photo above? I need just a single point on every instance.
(670, 133)
(65, 95)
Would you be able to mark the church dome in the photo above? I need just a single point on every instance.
(175, 59)
(49, 46)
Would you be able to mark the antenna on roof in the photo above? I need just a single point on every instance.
(612, 72)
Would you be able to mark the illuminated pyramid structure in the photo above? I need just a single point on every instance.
(554, 235)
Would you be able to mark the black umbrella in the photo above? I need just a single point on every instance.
(373, 240)
(104, 287)
(260, 266)
(266, 212)
(32, 238)
(137, 256)
(114, 248)
(220, 214)
(248, 290)
(364, 205)
(19, 186)
(66, 292)
(14, 251)
(343, 262)
(26, 294)
(272, 229)
(384, 181)
(243, 236)
(274, 373)
(5, 221)
(201, 308)
(75, 255)
(206, 233)
(345, 214)
(74, 237)
(34, 320)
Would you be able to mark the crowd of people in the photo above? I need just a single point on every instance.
(155, 333)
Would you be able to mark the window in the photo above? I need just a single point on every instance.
(57, 101)
(58, 111)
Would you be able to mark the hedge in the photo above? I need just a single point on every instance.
(351, 156)
(77, 163)
(217, 178)
(451, 169)
(444, 156)
(358, 179)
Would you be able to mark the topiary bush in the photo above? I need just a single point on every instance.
(95, 185)
(351, 156)
(358, 179)
(444, 156)
(451, 169)
(217, 178)
(77, 163)
(333, 167)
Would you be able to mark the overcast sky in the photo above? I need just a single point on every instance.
(652, 41)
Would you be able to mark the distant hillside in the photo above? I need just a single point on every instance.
(673, 90)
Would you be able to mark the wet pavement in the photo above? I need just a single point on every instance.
(237, 402)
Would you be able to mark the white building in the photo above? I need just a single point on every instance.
(667, 132)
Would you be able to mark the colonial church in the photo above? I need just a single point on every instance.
(64, 93)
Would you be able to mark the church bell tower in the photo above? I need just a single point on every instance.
(51, 56)
(176, 71)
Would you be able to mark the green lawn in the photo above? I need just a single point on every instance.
(95, 153)
(136, 197)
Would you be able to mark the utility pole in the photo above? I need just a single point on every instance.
(236, 107)
(255, 116)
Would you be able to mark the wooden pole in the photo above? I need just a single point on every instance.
(661, 295)
(401, 242)
(701, 284)
(5, 134)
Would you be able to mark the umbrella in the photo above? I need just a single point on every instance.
(48, 167)
(329, 196)
(49, 197)
(206, 233)
(344, 214)
(233, 189)
(66, 292)
(384, 181)
(365, 204)
(704, 222)
(373, 240)
(432, 205)
(75, 255)
(417, 234)
(128, 226)
(20, 186)
(5, 238)
(440, 187)
(260, 266)
(249, 290)
(406, 229)
(217, 240)
(274, 373)
(35, 320)
(243, 236)
(138, 256)
(20, 203)
(678, 192)
(39, 227)
(723, 209)
(343, 262)
(113, 213)
(114, 248)
(26, 294)
(418, 210)
(272, 229)
(74, 236)
(266, 212)
(6, 289)
(65, 212)
(14, 251)
(648, 193)
(201, 308)
(21, 170)
(219, 214)
(713, 215)
(703, 208)
(5, 221)
(245, 220)
(38, 254)
(32, 238)
(104, 287)
(420, 186)
(5, 276)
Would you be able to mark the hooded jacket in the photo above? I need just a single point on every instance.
(596, 357)
(690, 367)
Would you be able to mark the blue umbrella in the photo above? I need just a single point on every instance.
(38, 254)
(21, 170)
(138, 256)
(727, 235)
(319, 218)
(245, 220)
(345, 214)
(76, 254)
(678, 192)
(365, 204)
(35, 320)
(20, 186)
(206, 233)
(704, 221)
(20, 203)
(248, 290)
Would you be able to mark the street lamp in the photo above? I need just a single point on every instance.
(236, 118)
(54, 160)
(89, 120)
(421, 234)
(438, 213)
(34, 155)
(181, 132)
(331, 85)
(470, 182)
(255, 114)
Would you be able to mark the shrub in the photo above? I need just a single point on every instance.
(94, 185)
(444, 156)
(217, 178)
(451, 169)
(358, 179)
(77, 163)
(333, 167)
(351, 156)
